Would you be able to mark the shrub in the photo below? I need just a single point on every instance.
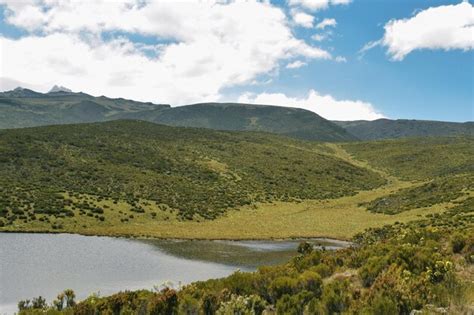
(383, 305)
(283, 285)
(336, 298)
(457, 243)
(311, 281)
(164, 303)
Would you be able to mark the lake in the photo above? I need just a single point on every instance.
(45, 264)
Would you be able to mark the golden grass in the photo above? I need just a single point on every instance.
(338, 218)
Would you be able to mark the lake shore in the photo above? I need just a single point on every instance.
(342, 242)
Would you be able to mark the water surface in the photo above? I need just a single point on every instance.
(45, 264)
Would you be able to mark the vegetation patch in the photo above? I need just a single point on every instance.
(418, 158)
(439, 190)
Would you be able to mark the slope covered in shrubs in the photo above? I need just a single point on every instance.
(66, 171)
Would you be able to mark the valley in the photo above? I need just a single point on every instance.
(169, 182)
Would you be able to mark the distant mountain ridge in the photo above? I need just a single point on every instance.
(402, 128)
(22, 107)
(27, 108)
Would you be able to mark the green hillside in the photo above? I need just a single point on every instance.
(25, 108)
(402, 128)
(418, 158)
(66, 171)
(292, 122)
(141, 178)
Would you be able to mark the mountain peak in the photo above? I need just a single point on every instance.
(59, 88)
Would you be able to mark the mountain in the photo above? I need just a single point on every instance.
(59, 88)
(401, 128)
(20, 92)
(292, 122)
(26, 108)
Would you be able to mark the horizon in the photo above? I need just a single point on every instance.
(409, 60)
(236, 103)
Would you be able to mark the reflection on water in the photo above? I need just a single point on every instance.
(245, 254)
(45, 264)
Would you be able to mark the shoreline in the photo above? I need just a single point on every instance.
(145, 237)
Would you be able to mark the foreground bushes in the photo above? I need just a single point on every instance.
(391, 270)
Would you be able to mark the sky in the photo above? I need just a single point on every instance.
(342, 59)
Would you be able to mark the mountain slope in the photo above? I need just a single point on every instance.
(25, 108)
(292, 122)
(401, 128)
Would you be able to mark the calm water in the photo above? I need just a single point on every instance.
(45, 264)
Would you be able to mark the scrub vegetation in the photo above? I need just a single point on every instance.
(81, 170)
(140, 179)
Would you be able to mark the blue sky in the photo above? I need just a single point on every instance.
(224, 58)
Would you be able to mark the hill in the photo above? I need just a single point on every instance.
(418, 158)
(140, 178)
(401, 128)
(61, 171)
(25, 108)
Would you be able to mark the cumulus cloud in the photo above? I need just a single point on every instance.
(203, 47)
(323, 105)
(296, 64)
(302, 19)
(317, 4)
(444, 27)
(326, 23)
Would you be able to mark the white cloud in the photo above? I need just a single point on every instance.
(296, 64)
(323, 105)
(445, 27)
(212, 46)
(326, 23)
(319, 37)
(314, 5)
(340, 59)
(302, 19)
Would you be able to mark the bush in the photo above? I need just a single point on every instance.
(457, 243)
(336, 298)
(283, 285)
(243, 305)
(383, 305)
(305, 248)
(164, 303)
(370, 270)
(311, 281)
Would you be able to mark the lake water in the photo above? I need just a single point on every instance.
(45, 264)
